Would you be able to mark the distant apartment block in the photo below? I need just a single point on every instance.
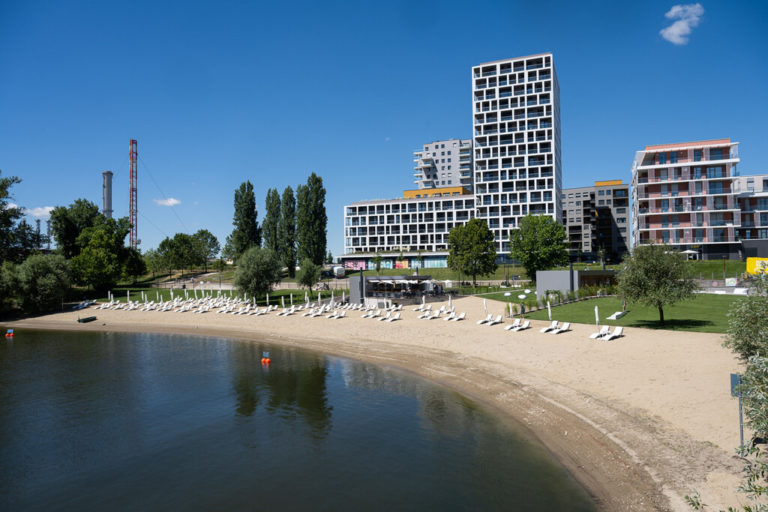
(752, 195)
(516, 135)
(444, 163)
(684, 195)
(596, 218)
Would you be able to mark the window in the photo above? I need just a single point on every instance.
(662, 158)
(621, 210)
(601, 202)
(621, 220)
(673, 157)
(449, 152)
(442, 153)
(442, 146)
(697, 155)
(716, 154)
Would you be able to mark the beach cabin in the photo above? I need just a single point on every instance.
(572, 280)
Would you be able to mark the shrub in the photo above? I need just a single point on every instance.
(43, 282)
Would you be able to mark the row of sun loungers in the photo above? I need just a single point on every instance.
(333, 311)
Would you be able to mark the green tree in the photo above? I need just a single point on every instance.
(311, 220)
(309, 273)
(17, 238)
(134, 266)
(68, 223)
(247, 232)
(538, 244)
(269, 227)
(206, 247)
(153, 262)
(43, 282)
(9, 284)
(748, 322)
(100, 260)
(471, 249)
(329, 258)
(178, 252)
(376, 260)
(257, 271)
(287, 231)
(656, 276)
(9, 214)
(746, 335)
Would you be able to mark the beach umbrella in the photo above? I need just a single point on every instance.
(291, 299)
(485, 306)
(128, 296)
(157, 295)
(267, 299)
(306, 297)
(319, 297)
(186, 293)
(343, 296)
(549, 311)
(597, 317)
(511, 311)
(331, 297)
(282, 301)
(423, 300)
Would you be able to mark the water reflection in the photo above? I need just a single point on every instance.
(149, 422)
(294, 386)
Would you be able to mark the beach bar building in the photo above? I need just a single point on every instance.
(389, 289)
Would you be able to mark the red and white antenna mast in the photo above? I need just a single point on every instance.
(133, 155)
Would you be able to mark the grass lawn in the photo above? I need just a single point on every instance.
(705, 313)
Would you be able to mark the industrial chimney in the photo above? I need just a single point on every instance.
(107, 194)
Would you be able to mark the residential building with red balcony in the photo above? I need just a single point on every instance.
(684, 196)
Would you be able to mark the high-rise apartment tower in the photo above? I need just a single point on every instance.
(516, 127)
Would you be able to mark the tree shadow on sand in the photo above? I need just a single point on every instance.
(672, 325)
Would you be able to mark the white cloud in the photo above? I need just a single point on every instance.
(11, 206)
(687, 16)
(167, 202)
(41, 212)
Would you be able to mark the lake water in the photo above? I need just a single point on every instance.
(92, 421)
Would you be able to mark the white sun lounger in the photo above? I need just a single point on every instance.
(485, 320)
(384, 318)
(435, 314)
(449, 317)
(394, 317)
(553, 325)
(603, 331)
(566, 327)
(495, 321)
(525, 325)
(513, 325)
(617, 332)
(459, 318)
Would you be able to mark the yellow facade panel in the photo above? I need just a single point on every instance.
(608, 183)
(757, 266)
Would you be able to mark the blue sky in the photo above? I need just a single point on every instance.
(220, 92)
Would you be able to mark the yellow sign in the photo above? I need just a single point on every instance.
(757, 266)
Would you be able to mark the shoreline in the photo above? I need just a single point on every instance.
(639, 422)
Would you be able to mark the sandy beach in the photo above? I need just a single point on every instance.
(640, 421)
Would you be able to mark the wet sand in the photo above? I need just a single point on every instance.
(640, 421)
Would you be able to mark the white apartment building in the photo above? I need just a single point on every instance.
(419, 222)
(516, 121)
(444, 163)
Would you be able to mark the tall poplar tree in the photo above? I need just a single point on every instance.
(271, 221)
(311, 220)
(287, 231)
(247, 232)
